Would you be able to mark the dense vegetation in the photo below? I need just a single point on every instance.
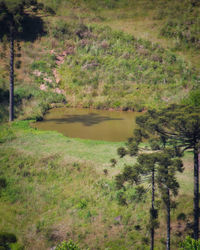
(180, 19)
(182, 22)
(170, 131)
(94, 65)
(54, 188)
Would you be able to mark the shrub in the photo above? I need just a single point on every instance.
(83, 203)
(181, 216)
(120, 196)
(190, 244)
(3, 183)
(4, 94)
(70, 245)
(193, 99)
(22, 93)
(113, 162)
(7, 238)
(18, 64)
(61, 29)
(42, 66)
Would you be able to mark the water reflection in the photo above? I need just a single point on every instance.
(84, 123)
(86, 119)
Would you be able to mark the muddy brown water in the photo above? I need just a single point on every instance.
(89, 124)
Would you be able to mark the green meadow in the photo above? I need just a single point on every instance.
(60, 188)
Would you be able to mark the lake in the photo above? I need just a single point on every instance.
(89, 124)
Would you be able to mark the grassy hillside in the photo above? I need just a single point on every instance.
(178, 20)
(91, 65)
(57, 189)
(112, 69)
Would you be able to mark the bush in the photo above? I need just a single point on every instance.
(4, 95)
(18, 64)
(120, 196)
(42, 66)
(193, 99)
(190, 244)
(7, 238)
(22, 93)
(70, 245)
(181, 216)
(3, 183)
(61, 29)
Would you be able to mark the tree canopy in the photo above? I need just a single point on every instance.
(179, 126)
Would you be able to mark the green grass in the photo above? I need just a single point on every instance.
(57, 190)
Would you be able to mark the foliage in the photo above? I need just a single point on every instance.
(182, 22)
(190, 244)
(179, 126)
(48, 166)
(61, 30)
(180, 18)
(70, 245)
(6, 239)
(193, 98)
(2, 183)
(41, 100)
(100, 72)
(178, 123)
(107, 65)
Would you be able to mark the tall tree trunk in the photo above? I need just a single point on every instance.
(168, 220)
(152, 208)
(11, 97)
(196, 194)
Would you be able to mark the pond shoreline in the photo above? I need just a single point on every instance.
(95, 124)
(59, 105)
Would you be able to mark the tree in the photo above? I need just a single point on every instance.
(146, 165)
(178, 125)
(12, 14)
(168, 165)
(160, 168)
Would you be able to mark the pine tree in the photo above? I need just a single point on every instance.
(12, 13)
(147, 163)
(146, 166)
(178, 125)
(168, 165)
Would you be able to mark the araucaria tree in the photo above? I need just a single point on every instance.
(145, 166)
(168, 165)
(148, 167)
(178, 125)
(159, 167)
(12, 13)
